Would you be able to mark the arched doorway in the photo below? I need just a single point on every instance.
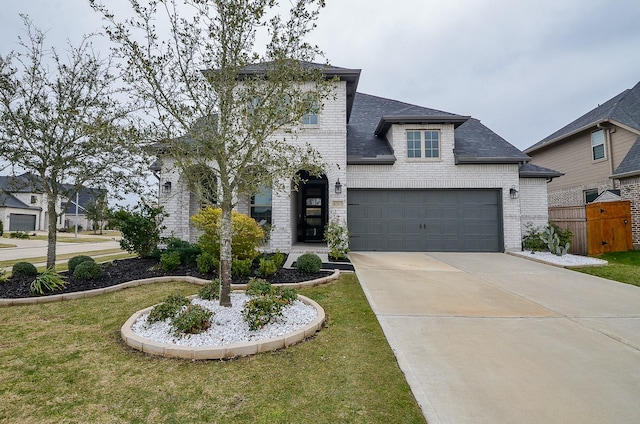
(312, 207)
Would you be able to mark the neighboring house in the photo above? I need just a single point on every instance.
(403, 177)
(23, 205)
(598, 152)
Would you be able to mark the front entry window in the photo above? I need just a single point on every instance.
(261, 206)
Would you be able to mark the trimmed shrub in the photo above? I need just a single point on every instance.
(87, 270)
(19, 235)
(140, 228)
(309, 263)
(210, 291)
(77, 260)
(207, 263)
(246, 234)
(278, 258)
(187, 251)
(259, 287)
(167, 309)
(267, 267)
(170, 261)
(24, 268)
(192, 320)
(266, 303)
(241, 267)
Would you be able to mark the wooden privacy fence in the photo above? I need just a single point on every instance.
(597, 227)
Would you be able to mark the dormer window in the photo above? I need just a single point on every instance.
(423, 144)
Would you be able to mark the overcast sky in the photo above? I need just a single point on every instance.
(525, 68)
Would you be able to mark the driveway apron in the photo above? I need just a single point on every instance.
(493, 338)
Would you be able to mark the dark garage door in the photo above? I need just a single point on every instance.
(425, 220)
(22, 222)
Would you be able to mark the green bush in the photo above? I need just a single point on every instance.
(565, 235)
(246, 234)
(167, 309)
(24, 268)
(267, 267)
(337, 238)
(3, 276)
(170, 261)
(77, 260)
(192, 320)
(87, 270)
(140, 227)
(207, 263)
(241, 267)
(187, 251)
(19, 235)
(1, 228)
(210, 291)
(46, 282)
(278, 259)
(531, 239)
(266, 303)
(309, 263)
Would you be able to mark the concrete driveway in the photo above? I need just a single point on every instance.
(493, 338)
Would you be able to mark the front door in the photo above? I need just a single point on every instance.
(314, 210)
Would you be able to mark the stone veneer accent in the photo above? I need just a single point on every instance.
(630, 190)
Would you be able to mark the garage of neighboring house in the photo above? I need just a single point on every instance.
(22, 222)
(465, 220)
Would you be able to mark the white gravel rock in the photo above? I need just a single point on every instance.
(564, 260)
(228, 325)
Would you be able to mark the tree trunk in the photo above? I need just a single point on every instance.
(225, 256)
(51, 239)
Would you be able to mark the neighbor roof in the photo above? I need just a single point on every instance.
(372, 116)
(9, 201)
(529, 170)
(630, 165)
(622, 109)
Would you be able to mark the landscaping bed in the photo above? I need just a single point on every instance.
(124, 270)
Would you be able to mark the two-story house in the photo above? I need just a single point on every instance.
(599, 154)
(23, 204)
(402, 177)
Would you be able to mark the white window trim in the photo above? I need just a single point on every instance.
(604, 146)
(423, 147)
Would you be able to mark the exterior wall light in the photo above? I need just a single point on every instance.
(166, 187)
(338, 187)
(513, 193)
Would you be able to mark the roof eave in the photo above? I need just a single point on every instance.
(386, 121)
(371, 160)
(625, 174)
(465, 160)
(569, 134)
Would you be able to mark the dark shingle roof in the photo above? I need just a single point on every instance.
(474, 143)
(623, 108)
(631, 162)
(529, 170)
(9, 201)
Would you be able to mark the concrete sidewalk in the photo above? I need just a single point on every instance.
(37, 248)
(492, 338)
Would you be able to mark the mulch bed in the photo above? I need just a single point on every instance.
(123, 270)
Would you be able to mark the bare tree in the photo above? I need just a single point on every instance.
(61, 122)
(228, 114)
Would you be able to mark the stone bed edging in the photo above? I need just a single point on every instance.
(145, 345)
(136, 283)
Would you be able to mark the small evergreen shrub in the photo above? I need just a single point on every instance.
(24, 268)
(46, 282)
(140, 227)
(337, 237)
(241, 267)
(77, 260)
(167, 309)
(531, 239)
(266, 303)
(267, 267)
(19, 235)
(187, 251)
(1, 228)
(210, 291)
(192, 320)
(3, 276)
(278, 259)
(87, 270)
(309, 263)
(207, 263)
(170, 261)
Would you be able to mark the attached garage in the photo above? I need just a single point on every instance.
(467, 220)
(22, 222)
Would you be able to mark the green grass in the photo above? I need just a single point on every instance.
(65, 362)
(41, 259)
(623, 267)
(3, 245)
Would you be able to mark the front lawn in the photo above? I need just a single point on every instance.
(623, 267)
(65, 362)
